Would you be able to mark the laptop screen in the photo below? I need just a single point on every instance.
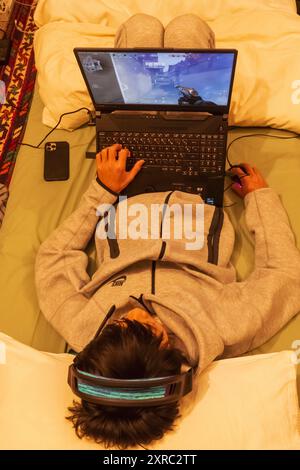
(190, 80)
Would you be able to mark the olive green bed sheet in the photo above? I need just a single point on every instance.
(36, 208)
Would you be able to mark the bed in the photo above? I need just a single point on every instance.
(35, 208)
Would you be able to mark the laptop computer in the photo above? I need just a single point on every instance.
(170, 108)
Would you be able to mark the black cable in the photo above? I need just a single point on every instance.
(29, 145)
(54, 128)
(228, 187)
(295, 136)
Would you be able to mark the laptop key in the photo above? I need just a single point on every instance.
(194, 158)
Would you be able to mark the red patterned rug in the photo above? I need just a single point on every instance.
(19, 78)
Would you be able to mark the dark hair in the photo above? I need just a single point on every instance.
(126, 352)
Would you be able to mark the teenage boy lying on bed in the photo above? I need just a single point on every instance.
(172, 305)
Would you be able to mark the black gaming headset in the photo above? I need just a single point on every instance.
(127, 393)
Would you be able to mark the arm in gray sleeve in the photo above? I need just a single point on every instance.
(61, 265)
(263, 303)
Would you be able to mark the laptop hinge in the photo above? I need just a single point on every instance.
(103, 111)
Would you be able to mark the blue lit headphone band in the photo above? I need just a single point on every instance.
(121, 393)
(137, 392)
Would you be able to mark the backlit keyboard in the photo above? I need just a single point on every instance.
(176, 153)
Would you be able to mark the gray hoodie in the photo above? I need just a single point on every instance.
(194, 293)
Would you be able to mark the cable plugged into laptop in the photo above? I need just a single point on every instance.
(92, 118)
(90, 122)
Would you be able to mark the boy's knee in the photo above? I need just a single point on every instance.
(189, 31)
(144, 20)
(140, 30)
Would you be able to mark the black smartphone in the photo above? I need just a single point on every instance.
(57, 161)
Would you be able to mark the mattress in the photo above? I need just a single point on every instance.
(36, 208)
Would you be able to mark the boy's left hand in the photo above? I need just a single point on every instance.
(250, 182)
(111, 168)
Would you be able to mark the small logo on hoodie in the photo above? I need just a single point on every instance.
(119, 281)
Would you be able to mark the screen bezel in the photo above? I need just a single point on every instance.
(214, 110)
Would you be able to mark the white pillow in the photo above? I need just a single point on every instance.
(243, 403)
(94, 11)
(266, 32)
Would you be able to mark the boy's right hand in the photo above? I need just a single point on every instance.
(111, 168)
(249, 183)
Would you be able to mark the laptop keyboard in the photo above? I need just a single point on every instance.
(186, 154)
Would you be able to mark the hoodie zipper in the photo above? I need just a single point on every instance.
(213, 237)
(163, 246)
